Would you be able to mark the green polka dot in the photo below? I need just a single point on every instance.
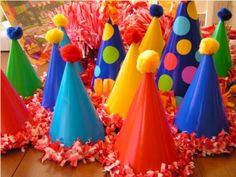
(165, 83)
(110, 55)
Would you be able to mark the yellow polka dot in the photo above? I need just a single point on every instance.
(192, 12)
(108, 32)
(184, 46)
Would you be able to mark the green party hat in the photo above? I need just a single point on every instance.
(222, 58)
(20, 72)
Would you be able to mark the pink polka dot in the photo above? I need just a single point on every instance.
(188, 73)
(170, 61)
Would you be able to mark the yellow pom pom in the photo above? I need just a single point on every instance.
(209, 46)
(148, 61)
(60, 20)
(54, 36)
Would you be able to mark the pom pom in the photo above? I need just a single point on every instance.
(208, 46)
(54, 36)
(156, 10)
(148, 61)
(71, 53)
(14, 32)
(224, 14)
(60, 20)
(132, 36)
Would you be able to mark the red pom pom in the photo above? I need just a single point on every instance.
(71, 53)
(132, 36)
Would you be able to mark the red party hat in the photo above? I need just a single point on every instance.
(13, 111)
(145, 141)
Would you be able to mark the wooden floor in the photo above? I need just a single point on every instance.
(27, 164)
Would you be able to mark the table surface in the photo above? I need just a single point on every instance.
(27, 163)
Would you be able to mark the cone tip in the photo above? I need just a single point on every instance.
(148, 61)
(71, 53)
(54, 36)
(209, 46)
(14, 32)
(224, 14)
(156, 10)
(60, 20)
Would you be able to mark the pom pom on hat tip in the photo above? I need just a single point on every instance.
(148, 61)
(54, 36)
(224, 14)
(14, 32)
(60, 20)
(71, 53)
(209, 46)
(132, 36)
(156, 10)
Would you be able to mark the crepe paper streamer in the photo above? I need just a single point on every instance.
(109, 10)
(61, 22)
(110, 56)
(222, 58)
(55, 70)
(20, 72)
(180, 58)
(141, 130)
(153, 39)
(13, 111)
(202, 110)
(74, 116)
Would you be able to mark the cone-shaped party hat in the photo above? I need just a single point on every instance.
(153, 39)
(13, 111)
(20, 72)
(180, 57)
(222, 57)
(61, 22)
(128, 79)
(55, 70)
(145, 140)
(74, 116)
(110, 56)
(202, 109)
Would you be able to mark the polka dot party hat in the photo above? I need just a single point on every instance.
(145, 140)
(180, 58)
(128, 79)
(222, 57)
(20, 72)
(61, 22)
(55, 70)
(74, 116)
(202, 110)
(110, 56)
(153, 39)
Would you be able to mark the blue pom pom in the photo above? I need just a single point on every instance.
(224, 14)
(156, 10)
(14, 32)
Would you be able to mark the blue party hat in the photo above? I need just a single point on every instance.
(55, 71)
(75, 116)
(202, 110)
(110, 56)
(180, 58)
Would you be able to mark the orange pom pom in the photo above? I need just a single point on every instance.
(71, 53)
(132, 36)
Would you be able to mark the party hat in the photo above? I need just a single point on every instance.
(20, 72)
(180, 57)
(222, 57)
(202, 109)
(74, 116)
(128, 79)
(13, 111)
(110, 56)
(153, 39)
(61, 22)
(145, 140)
(55, 70)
